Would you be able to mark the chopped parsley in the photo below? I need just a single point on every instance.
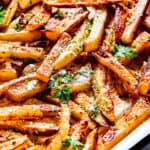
(148, 38)
(85, 71)
(58, 14)
(64, 94)
(60, 78)
(108, 31)
(121, 51)
(88, 26)
(134, 44)
(17, 27)
(76, 145)
(95, 111)
(30, 84)
(2, 14)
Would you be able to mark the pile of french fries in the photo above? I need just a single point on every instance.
(74, 74)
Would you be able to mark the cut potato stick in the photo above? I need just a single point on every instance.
(28, 112)
(5, 86)
(38, 20)
(33, 128)
(141, 42)
(8, 72)
(55, 27)
(133, 21)
(46, 68)
(144, 84)
(122, 72)
(147, 21)
(91, 140)
(17, 143)
(94, 39)
(78, 113)
(119, 22)
(10, 12)
(7, 51)
(21, 36)
(124, 126)
(27, 3)
(89, 105)
(71, 3)
(64, 126)
(28, 88)
(74, 48)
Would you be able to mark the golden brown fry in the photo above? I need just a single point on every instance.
(28, 112)
(144, 84)
(141, 42)
(91, 140)
(55, 27)
(10, 12)
(27, 3)
(124, 126)
(133, 21)
(74, 48)
(129, 80)
(38, 20)
(22, 36)
(78, 113)
(47, 66)
(97, 30)
(17, 143)
(5, 86)
(88, 104)
(71, 3)
(64, 126)
(28, 88)
(33, 128)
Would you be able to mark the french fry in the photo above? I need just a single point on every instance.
(38, 20)
(21, 36)
(5, 86)
(64, 126)
(133, 21)
(7, 51)
(78, 113)
(88, 104)
(8, 72)
(55, 27)
(17, 143)
(91, 140)
(27, 3)
(71, 3)
(119, 22)
(74, 48)
(28, 112)
(47, 66)
(122, 72)
(33, 128)
(95, 37)
(147, 21)
(144, 84)
(141, 42)
(139, 113)
(10, 12)
(28, 88)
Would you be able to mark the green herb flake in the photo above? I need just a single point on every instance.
(17, 27)
(2, 14)
(64, 94)
(30, 84)
(121, 51)
(76, 145)
(58, 14)
(108, 31)
(134, 44)
(148, 38)
(88, 26)
(85, 71)
(95, 111)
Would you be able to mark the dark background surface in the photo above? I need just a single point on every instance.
(143, 145)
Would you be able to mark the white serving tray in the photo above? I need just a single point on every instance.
(134, 137)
